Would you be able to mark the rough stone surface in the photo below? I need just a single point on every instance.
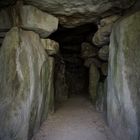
(50, 88)
(101, 37)
(36, 20)
(101, 104)
(108, 20)
(94, 76)
(124, 78)
(87, 50)
(104, 53)
(73, 13)
(24, 83)
(51, 46)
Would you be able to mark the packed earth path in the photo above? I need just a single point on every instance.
(76, 119)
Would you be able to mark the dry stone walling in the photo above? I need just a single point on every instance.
(96, 59)
(121, 87)
(118, 95)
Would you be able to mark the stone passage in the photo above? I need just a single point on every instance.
(76, 119)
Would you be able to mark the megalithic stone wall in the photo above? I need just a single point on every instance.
(26, 84)
(27, 70)
(124, 78)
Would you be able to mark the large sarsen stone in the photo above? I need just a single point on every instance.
(24, 82)
(124, 78)
(94, 77)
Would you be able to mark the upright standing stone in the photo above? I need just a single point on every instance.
(93, 81)
(23, 85)
(101, 103)
(50, 99)
(124, 78)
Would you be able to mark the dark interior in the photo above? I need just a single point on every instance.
(70, 40)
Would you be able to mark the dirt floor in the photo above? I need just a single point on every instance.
(76, 119)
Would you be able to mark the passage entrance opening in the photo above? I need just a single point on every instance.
(71, 75)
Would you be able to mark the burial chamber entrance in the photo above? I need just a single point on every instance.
(32, 81)
(77, 73)
(72, 63)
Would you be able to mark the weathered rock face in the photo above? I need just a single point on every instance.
(29, 18)
(36, 20)
(124, 78)
(50, 46)
(101, 37)
(101, 104)
(104, 53)
(50, 89)
(108, 20)
(94, 76)
(24, 82)
(73, 13)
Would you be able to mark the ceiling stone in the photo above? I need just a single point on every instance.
(73, 13)
(76, 12)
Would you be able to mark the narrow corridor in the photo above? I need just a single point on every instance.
(76, 119)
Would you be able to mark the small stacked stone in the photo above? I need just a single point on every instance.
(95, 57)
(101, 39)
